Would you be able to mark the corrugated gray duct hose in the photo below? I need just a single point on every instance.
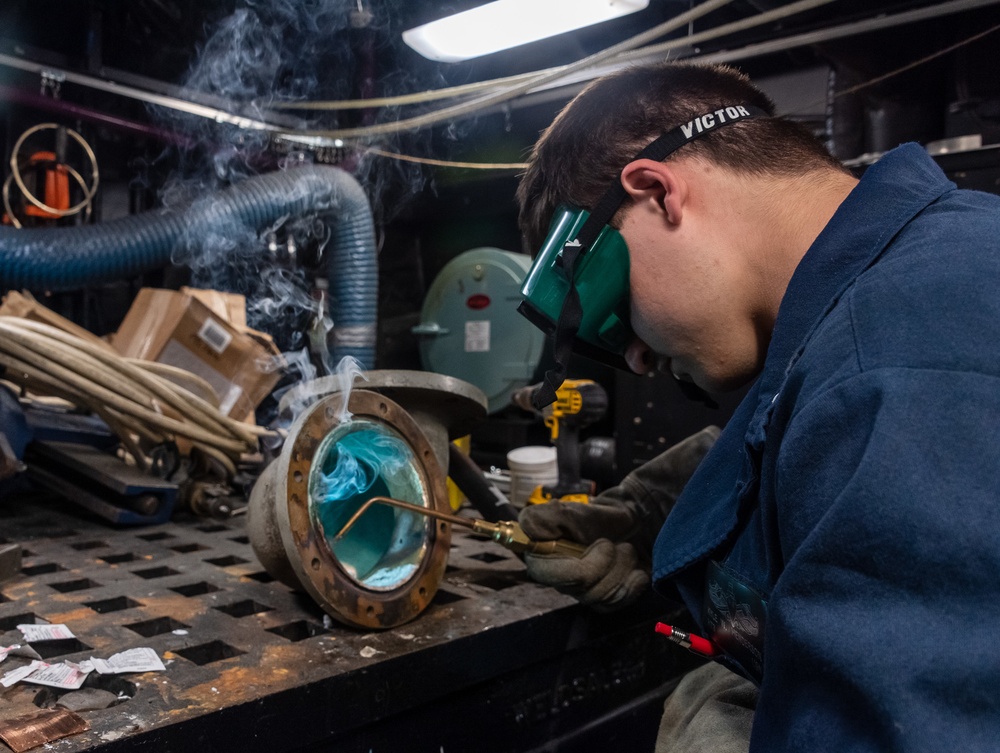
(67, 258)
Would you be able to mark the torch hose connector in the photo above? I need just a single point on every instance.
(509, 534)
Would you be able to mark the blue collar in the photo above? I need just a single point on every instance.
(889, 195)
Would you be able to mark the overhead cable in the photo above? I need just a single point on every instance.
(488, 100)
(466, 89)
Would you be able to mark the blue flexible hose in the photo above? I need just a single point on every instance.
(67, 258)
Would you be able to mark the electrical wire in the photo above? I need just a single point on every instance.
(103, 389)
(135, 401)
(489, 100)
(285, 133)
(555, 73)
(447, 163)
(897, 71)
(916, 63)
(466, 89)
(150, 375)
(725, 30)
(646, 51)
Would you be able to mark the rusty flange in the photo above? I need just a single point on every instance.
(444, 407)
(281, 509)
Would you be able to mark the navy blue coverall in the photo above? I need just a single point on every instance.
(842, 538)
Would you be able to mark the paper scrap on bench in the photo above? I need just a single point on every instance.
(65, 675)
(16, 675)
(33, 633)
(133, 660)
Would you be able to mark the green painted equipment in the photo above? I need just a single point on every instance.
(470, 329)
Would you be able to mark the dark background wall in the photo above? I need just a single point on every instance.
(240, 55)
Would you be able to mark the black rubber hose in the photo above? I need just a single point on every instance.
(489, 501)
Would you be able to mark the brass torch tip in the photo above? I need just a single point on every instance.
(403, 505)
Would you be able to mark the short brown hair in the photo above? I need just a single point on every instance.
(598, 133)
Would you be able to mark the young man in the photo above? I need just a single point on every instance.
(840, 542)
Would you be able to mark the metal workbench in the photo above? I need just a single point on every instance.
(496, 663)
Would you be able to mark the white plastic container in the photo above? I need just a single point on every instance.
(530, 467)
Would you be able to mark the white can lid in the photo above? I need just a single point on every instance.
(531, 456)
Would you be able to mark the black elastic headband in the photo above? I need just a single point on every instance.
(604, 210)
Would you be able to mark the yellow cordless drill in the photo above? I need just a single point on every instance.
(579, 403)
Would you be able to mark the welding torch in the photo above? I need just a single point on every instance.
(507, 533)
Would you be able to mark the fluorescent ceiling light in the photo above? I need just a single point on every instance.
(508, 23)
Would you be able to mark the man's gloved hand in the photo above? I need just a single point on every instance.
(620, 525)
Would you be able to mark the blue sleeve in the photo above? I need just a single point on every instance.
(884, 629)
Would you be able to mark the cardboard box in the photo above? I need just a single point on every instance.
(176, 328)
(25, 306)
(230, 306)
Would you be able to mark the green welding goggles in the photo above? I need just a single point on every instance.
(600, 279)
(577, 289)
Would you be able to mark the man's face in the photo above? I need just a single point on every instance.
(691, 307)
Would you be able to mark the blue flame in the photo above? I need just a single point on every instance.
(362, 458)
(360, 465)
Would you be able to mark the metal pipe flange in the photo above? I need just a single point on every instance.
(387, 569)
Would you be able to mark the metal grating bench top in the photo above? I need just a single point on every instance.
(254, 665)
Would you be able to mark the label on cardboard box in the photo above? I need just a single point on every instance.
(229, 399)
(214, 335)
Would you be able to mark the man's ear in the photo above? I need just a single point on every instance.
(657, 183)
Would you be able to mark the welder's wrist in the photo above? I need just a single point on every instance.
(651, 490)
(644, 510)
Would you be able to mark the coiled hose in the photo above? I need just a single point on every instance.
(66, 258)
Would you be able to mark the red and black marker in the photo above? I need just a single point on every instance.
(693, 643)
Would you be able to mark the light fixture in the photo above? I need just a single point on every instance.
(503, 24)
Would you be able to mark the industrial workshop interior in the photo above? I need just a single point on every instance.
(271, 360)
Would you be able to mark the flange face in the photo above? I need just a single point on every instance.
(454, 403)
(384, 571)
(457, 405)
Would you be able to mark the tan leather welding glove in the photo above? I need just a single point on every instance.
(619, 525)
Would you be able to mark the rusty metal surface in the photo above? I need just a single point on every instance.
(454, 403)
(251, 665)
(309, 555)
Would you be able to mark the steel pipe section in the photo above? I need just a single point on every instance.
(392, 440)
(386, 570)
